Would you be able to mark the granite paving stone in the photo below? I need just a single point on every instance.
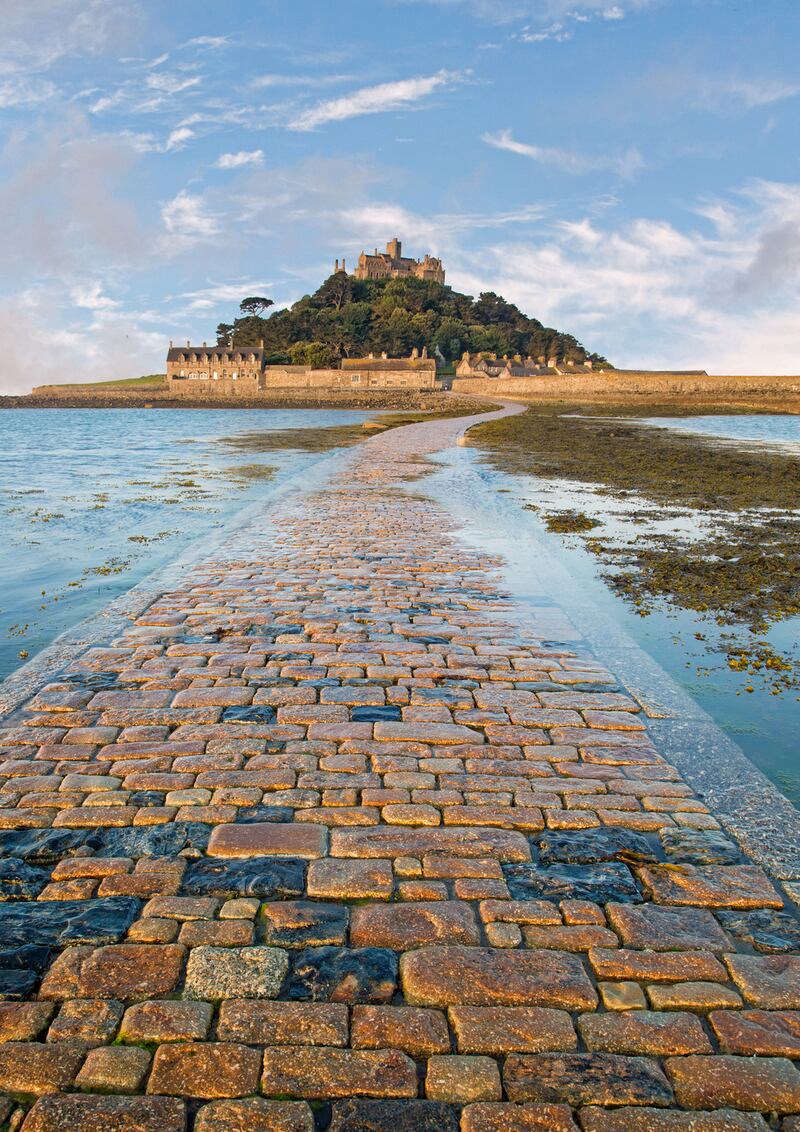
(341, 833)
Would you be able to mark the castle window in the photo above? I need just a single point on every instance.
(355, 379)
(234, 375)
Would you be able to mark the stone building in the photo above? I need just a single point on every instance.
(392, 264)
(489, 365)
(234, 369)
(227, 371)
(416, 372)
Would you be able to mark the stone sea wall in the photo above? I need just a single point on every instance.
(630, 383)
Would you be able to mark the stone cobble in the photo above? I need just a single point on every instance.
(336, 835)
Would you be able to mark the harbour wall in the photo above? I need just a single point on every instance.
(630, 383)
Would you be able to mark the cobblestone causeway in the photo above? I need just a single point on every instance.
(334, 837)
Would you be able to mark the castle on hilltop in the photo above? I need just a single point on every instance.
(392, 264)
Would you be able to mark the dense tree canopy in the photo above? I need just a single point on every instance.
(349, 317)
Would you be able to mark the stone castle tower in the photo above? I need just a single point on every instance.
(392, 264)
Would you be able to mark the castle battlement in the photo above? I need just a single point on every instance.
(392, 264)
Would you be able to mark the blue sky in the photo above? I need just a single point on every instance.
(626, 170)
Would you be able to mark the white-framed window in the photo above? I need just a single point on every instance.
(355, 379)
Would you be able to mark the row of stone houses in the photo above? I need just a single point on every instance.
(229, 371)
(489, 365)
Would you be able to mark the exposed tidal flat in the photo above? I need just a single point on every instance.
(92, 500)
(685, 529)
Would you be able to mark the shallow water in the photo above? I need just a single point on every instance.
(92, 500)
(764, 725)
(774, 428)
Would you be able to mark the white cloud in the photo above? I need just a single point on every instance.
(187, 220)
(274, 80)
(37, 33)
(90, 296)
(20, 91)
(646, 292)
(178, 138)
(237, 160)
(544, 11)
(625, 165)
(749, 92)
(211, 42)
(210, 298)
(73, 345)
(168, 83)
(373, 100)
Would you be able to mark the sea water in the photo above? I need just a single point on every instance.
(92, 500)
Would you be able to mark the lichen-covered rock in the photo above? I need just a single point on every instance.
(235, 972)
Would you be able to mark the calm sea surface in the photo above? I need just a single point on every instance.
(92, 500)
(771, 428)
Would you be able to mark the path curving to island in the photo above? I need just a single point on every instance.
(339, 833)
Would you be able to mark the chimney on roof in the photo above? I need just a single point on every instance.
(336, 267)
(344, 265)
(188, 343)
(170, 343)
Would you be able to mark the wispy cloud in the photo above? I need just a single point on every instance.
(237, 160)
(625, 165)
(210, 42)
(398, 95)
(276, 80)
(168, 83)
(38, 33)
(750, 92)
(21, 91)
(543, 11)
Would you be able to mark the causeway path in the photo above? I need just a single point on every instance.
(336, 836)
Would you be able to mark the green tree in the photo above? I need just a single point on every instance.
(255, 305)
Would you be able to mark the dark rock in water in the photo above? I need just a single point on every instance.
(55, 923)
(17, 984)
(599, 883)
(269, 878)
(339, 974)
(699, 847)
(247, 815)
(765, 929)
(375, 714)
(19, 881)
(45, 846)
(153, 840)
(392, 1116)
(304, 923)
(145, 799)
(589, 846)
(30, 956)
(249, 713)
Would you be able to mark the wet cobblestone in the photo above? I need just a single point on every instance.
(336, 832)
